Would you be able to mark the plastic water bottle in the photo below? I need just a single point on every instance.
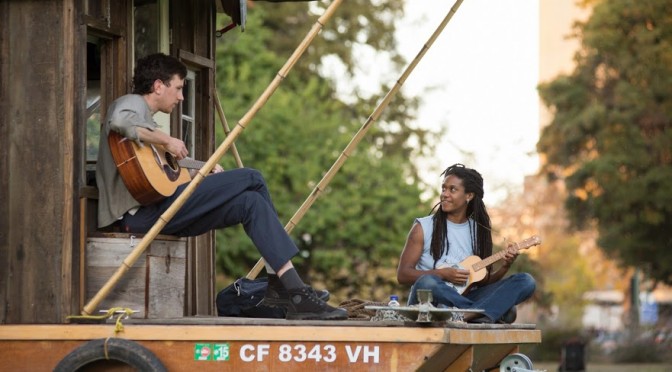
(391, 314)
(394, 301)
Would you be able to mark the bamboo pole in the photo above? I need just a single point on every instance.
(227, 131)
(359, 135)
(210, 164)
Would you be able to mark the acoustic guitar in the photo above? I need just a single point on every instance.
(150, 173)
(477, 266)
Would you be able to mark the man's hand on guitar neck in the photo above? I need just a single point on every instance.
(216, 169)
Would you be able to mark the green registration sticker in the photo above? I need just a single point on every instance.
(203, 352)
(221, 352)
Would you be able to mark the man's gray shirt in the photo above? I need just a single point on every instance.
(124, 115)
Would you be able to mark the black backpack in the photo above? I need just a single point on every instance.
(243, 299)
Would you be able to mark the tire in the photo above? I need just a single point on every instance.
(118, 349)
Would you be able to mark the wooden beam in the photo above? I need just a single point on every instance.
(493, 336)
(448, 356)
(280, 330)
(70, 35)
(196, 60)
(224, 332)
(462, 363)
(487, 357)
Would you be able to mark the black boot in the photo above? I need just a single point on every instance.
(509, 316)
(304, 305)
(276, 294)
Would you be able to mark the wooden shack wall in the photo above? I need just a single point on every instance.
(193, 25)
(42, 56)
(38, 133)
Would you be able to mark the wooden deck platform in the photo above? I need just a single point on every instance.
(223, 344)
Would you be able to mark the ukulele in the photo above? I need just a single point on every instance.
(477, 266)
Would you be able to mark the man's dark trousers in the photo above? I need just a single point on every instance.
(221, 200)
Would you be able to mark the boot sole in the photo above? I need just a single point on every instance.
(284, 302)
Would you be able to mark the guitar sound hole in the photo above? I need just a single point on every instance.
(170, 161)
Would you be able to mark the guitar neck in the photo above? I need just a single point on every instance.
(534, 240)
(490, 260)
(191, 163)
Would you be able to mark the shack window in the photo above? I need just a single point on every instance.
(93, 104)
(189, 111)
(150, 35)
(150, 27)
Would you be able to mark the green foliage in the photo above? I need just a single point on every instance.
(351, 237)
(365, 23)
(611, 138)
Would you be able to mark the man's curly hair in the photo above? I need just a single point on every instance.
(156, 66)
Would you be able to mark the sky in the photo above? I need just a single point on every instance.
(478, 81)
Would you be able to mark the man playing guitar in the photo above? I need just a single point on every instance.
(224, 198)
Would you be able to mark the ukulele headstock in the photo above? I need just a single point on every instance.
(531, 241)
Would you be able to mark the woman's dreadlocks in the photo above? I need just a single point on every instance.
(481, 235)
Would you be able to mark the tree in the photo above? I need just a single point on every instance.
(611, 137)
(353, 234)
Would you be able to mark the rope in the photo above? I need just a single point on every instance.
(124, 312)
(107, 357)
(356, 310)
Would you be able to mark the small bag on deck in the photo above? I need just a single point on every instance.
(243, 298)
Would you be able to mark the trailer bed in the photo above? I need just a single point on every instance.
(222, 344)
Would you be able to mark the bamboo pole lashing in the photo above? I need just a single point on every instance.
(326, 179)
(210, 164)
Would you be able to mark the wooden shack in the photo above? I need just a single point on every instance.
(62, 62)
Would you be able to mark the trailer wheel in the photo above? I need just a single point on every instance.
(118, 349)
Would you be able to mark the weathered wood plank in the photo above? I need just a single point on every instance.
(154, 286)
(477, 335)
(4, 160)
(463, 362)
(457, 356)
(166, 285)
(72, 96)
(39, 143)
(487, 357)
(272, 330)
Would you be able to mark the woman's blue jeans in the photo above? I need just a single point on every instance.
(496, 298)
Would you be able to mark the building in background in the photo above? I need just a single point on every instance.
(556, 46)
